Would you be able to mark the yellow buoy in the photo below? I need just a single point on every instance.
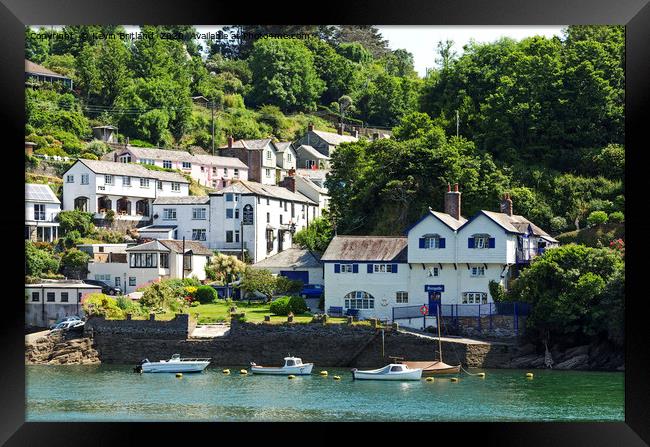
(429, 379)
(454, 379)
(179, 375)
(482, 375)
(291, 376)
(243, 372)
(323, 373)
(337, 377)
(529, 375)
(226, 371)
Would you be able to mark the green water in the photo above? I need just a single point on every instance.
(115, 393)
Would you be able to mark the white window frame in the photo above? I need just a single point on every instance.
(198, 213)
(382, 268)
(401, 297)
(269, 155)
(167, 164)
(132, 281)
(434, 271)
(186, 165)
(176, 187)
(108, 179)
(39, 211)
(481, 241)
(477, 271)
(169, 214)
(199, 234)
(474, 298)
(69, 178)
(345, 268)
(85, 179)
(144, 182)
(126, 181)
(268, 172)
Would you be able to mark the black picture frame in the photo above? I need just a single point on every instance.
(635, 14)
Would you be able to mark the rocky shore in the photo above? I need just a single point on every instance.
(60, 349)
(597, 356)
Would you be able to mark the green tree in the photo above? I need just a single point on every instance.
(39, 261)
(75, 220)
(37, 44)
(284, 75)
(317, 236)
(597, 218)
(259, 280)
(74, 263)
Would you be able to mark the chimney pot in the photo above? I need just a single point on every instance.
(506, 204)
(452, 202)
(455, 187)
(230, 141)
(310, 127)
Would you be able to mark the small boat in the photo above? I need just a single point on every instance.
(174, 365)
(433, 367)
(292, 365)
(393, 371)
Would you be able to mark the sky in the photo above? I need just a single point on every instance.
(421, 41)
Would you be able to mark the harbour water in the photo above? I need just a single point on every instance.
(114, 393)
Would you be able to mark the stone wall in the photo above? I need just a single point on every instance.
(177, 329)
(490, 326)
(128, 342)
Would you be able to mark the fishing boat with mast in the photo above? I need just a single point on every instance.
(433, 367)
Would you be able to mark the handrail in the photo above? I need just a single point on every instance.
(195, 359)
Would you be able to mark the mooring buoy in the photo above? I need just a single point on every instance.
(243, 372)
(429, 379)
(179, 375)
(529, 375)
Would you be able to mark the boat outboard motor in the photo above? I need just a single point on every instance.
(138, 368)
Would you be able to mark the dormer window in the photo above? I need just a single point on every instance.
(431, 241)
(480, 241)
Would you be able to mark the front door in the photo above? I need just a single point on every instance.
(434, 302)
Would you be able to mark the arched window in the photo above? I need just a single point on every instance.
(359, 300)
(124, 206)
(81, 203)
(142, 207)
(104, 204)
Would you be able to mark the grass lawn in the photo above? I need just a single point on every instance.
(255, 312)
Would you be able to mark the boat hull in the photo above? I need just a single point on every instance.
(302, 370)
(176, 367)
(433, 368)
(415, 374)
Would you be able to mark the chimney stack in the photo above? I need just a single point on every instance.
(452, 201)
(231, 140)
(310, 127)
(289, 182)
(506, 204)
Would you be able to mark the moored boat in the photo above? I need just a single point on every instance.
(292, 365)
(393, 371)
(433, 367)
(174, 365)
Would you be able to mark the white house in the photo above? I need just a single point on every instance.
(50, 300)
(286, 158)
(41, 208)
(314, 191)
(324, 142)
(180, 217)
(262, 218)
(208, 170)
(448, 260)
(127, 189)
(149, 262)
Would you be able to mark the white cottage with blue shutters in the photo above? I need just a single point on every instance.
(444, 259)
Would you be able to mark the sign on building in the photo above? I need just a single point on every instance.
(247, 215)
(434, 288)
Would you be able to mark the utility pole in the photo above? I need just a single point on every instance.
(212, 109)
(183, 260)
(241, 235)
(457, 123)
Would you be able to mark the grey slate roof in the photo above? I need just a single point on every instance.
(292, 257)
(149, 246)
(309, 150)
(367, 248)
(282, 146)
(449, 220)
(131, 169)
(40, 193)
(334, 138)
(188, 200)
(177, 246)
(176, 155)
(156, 228)
(276, 192)
(32, 67)
(517, 224)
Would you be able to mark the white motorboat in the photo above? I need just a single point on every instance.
(394, 371)
(174, 365)
(292, 365)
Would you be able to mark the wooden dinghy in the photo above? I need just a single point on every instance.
(433, 367)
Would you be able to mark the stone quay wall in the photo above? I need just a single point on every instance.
(333, 345)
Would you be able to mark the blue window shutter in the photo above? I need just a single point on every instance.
(491, 243)
(441, 242)
(470, 242)
(355, 268)
(369, 268)
(337, 268)
(421, 242)
(394, 268)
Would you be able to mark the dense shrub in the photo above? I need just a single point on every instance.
(206, 294)
(298, 305)
(597, 218)
(88, 156)
(98, 304)
(39, 261)
(280, 306)
(616, 217)
(76, 220)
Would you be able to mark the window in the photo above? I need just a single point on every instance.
(198, 234)
(433, 271)
(268, 201)
(268, 172)
(176, 187)
(108, 179)
(35, 297)
(478, 271)
(229, 197)
(126, 181)
(147, 161)
(84, 179)
(432, 242)
(39, 211)
(144, 260)
(382, 268)
(236, 235)
(229, 235)
(480, 241)
(144, 183)
(198, 213)
(187, 261)
(167, 164)
(269, 155)
(288, 157)
(401, 297)
(268, 217)
(118, 281)
(164, 260)
(169, 213)
(50, 297)
(214, 170)
(69, 178)
(132, 280)
(280, 219)
(474, 298)
(225, 171)
(64, 296)
(102, 277)
(309, 164)
(187, 165)
(159, 185)
(202, 169)
(229, 213)
(347, 268)
(359, 300)
(236, 173)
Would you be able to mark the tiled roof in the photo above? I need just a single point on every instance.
(366, 248)
(449, 220)
(216, 160)
(156, 228)
(282, 146)
(516, 224)
(177, 246)
(188, 200)
(334, 138)
(40, 193)
(175, 155)
(312, 152)
(149, 246)
(31, 67)
(312, 185)
(277, 192)
(291, 257)
(131, 169)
